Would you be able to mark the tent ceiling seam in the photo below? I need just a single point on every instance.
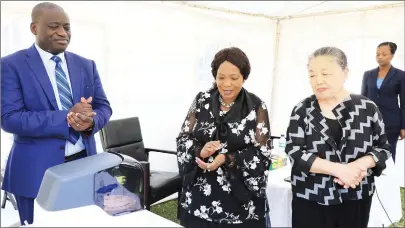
(223, 10)
(308, 8)
(292, 16)
(333, 12)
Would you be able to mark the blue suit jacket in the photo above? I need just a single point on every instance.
(386, 97)
(30, 112)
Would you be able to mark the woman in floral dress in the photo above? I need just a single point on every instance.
(224, 151)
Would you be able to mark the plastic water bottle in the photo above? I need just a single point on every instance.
(281, 145)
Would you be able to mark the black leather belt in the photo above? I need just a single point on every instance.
(76, 156)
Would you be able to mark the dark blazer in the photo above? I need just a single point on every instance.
(29, 111)
(386, 97)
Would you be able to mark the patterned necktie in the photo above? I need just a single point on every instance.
(65, 95)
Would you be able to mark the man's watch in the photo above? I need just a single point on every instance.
(91, 126)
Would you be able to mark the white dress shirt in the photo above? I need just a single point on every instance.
(50, 69)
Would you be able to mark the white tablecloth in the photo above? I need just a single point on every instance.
(280, 196)
(400, 162)
(89, 216)
(93, 216)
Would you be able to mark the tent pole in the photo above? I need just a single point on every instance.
(275, 62)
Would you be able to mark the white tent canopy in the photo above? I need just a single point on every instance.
(285, 9)
(153, 57)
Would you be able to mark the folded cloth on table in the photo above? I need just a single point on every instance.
(112, 197)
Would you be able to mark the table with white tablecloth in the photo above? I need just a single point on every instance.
(388, 188)
(86, 216)
(93, 216)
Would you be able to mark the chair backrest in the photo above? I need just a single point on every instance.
(124, 136)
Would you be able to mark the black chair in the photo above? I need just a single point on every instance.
(124, 136)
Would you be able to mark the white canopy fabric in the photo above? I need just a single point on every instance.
(289, 8)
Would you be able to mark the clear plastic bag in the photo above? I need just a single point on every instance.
(113, 197)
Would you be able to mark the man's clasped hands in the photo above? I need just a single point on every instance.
(80, 116)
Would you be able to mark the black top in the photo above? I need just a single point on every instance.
(233, 193)
(309, 137)
(335, 130)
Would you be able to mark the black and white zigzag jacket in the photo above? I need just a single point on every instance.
(308, 137)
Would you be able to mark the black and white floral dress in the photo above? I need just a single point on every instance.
(232, 194)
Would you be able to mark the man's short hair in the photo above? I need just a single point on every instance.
(37, 11)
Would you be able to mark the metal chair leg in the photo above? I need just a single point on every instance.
(12, 200)
(9, 197)
(3, 201)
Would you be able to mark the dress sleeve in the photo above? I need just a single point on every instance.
(188, 148)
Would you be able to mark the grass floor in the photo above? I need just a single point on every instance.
(168, 210)
(401, 222)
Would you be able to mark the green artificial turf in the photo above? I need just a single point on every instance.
(168, 210)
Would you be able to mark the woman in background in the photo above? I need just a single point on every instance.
(383, 85)
(337, 144)
(224, 151)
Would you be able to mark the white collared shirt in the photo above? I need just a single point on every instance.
(50, 69)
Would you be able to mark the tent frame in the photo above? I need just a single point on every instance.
(278, 19)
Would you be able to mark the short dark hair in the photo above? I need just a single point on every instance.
(391, 45)
(37, 11)
(233, 55)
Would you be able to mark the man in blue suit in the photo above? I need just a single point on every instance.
(52, 101)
